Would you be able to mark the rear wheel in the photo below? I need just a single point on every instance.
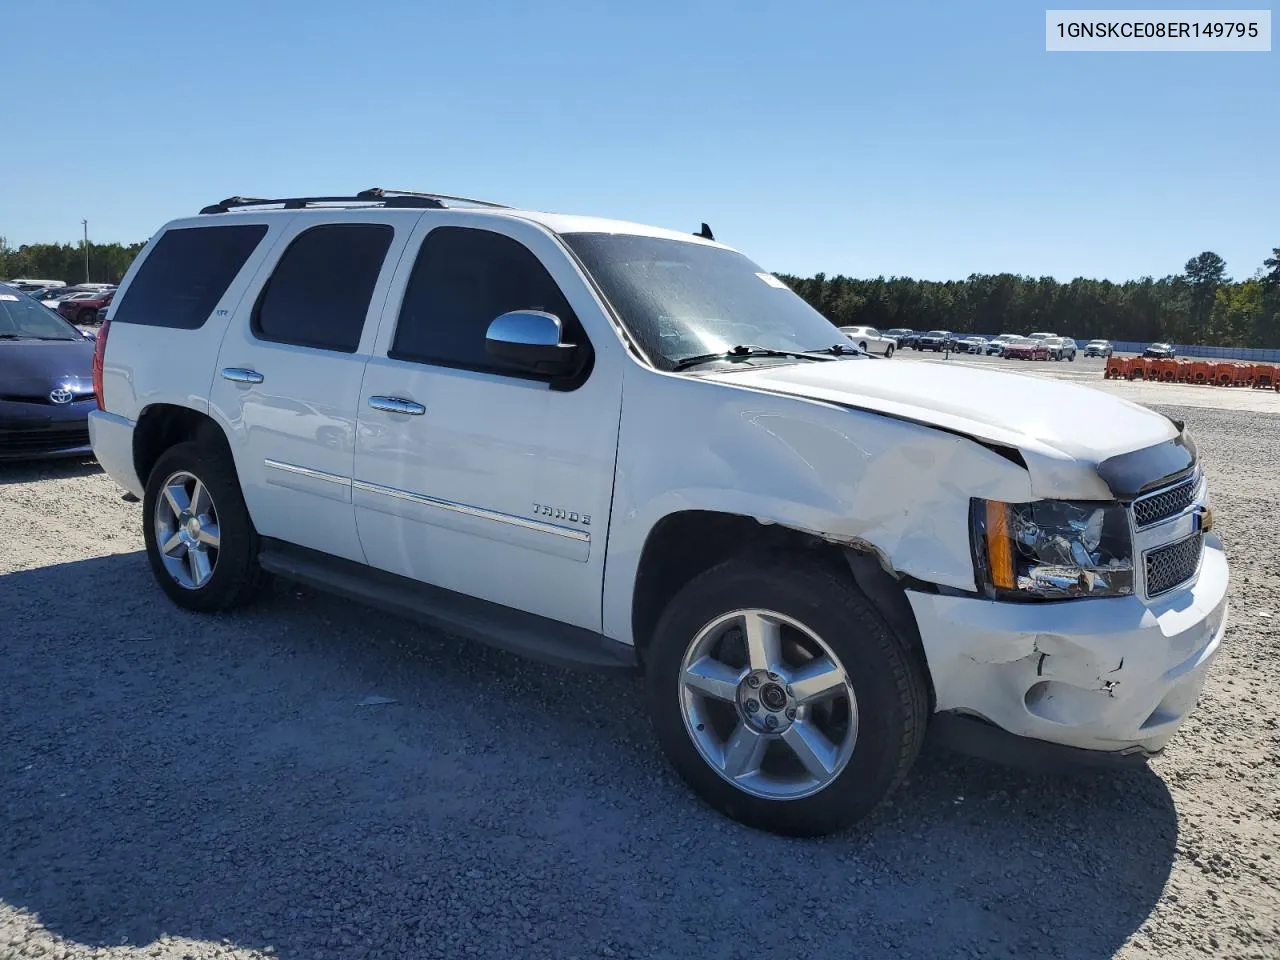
(200, 540)
(782, 697)
(87, 316)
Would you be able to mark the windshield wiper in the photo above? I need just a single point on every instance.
(840, 350)
(744, 350)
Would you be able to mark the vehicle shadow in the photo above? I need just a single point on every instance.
(29, 471)
(223, 778)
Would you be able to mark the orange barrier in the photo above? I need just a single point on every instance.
(1220, 373)
(1243, 374)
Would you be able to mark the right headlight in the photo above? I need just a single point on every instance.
(1051, 549)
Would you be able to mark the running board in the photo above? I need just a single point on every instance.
(527, 634)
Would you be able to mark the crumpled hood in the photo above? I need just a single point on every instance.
(1051, 418)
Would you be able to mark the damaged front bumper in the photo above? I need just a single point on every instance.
(1114, 676)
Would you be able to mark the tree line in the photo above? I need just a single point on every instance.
(1201, 305)
(66, 261)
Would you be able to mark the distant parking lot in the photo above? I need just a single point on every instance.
(1089, 372)
(306, 779)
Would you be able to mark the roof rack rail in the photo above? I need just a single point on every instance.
(373, 196)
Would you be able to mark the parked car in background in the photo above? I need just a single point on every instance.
(28, 285)
(971, 344)
(83, 307)
(46, 382)
(1061, 348)
(1024, 348)
(935, 340)
(1098, 348)
(1160, 351)
(1041, 336)
(47, 298)
(870, 340)
(996, 344)
(904, 337)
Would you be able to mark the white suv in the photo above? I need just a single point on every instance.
(612, 445)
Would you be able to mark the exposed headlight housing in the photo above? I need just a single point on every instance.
(1051, 549)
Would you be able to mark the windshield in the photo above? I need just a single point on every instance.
(682, 299)
(22, 318)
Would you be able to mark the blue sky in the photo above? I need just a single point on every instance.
(922, 139)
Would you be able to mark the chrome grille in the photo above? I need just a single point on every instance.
(1174, 565)
(1166, 503)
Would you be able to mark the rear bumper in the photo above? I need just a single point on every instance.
(1113, 676)
(112, 439)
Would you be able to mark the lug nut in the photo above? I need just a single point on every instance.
(774, 677)
(771, 722)
(791, 713)
(753, 681)
(752, 706)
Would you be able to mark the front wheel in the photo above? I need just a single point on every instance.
(888, 351)
(782, 697)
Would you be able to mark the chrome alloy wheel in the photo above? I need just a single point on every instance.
(768, 704)
(186, 530)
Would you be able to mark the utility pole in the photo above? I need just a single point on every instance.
(86, 250)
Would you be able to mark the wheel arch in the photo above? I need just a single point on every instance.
(685, 543)
(161, 426)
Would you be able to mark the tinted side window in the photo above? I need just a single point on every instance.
(186, 274)
(462, 280)
(319, 293)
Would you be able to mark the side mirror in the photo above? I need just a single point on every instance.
(530, 339)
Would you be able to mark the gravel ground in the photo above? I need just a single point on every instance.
(182, 786)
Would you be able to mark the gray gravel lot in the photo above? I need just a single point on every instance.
(182, 786)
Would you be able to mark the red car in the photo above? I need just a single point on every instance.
(1025, 349)
(83, 307)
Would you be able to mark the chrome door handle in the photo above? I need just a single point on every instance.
(397, 405)
(241, 375)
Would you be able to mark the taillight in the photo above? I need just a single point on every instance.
(99, 350)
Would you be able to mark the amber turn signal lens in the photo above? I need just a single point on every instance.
(999, 546)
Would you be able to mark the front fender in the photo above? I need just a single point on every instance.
(898, 488)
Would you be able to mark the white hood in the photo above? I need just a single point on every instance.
(1046, 418)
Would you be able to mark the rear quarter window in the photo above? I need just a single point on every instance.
(186, 274)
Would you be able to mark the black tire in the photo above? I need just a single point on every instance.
(889, 684)
(1071, 358)
(863, 346)
(888, 351)
(237, 579)
(87, 316)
